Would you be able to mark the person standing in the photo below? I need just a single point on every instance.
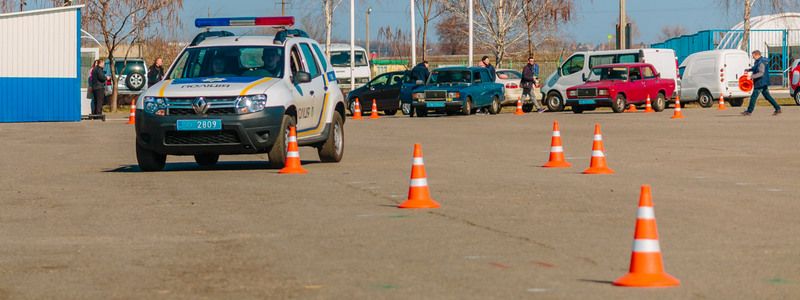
(98, 85)
(760, 79)
(529, 79)
(486, 64)
(421, 72)
(156, 72)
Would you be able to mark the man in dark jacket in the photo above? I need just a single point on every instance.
(155, 73)
(760, 84)
(98, 87)
(420, 71)
(529, 77)
(486, 64)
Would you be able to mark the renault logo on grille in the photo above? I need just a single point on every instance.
(201, 106)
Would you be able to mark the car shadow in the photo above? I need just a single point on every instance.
(596, 281)
(194, 167)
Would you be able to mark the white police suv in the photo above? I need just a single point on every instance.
(239, 94)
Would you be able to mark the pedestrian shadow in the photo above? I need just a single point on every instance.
(194, 167)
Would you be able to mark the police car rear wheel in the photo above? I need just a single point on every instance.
(150, 161)
(277, 155)
(206, 159)
(333, 148)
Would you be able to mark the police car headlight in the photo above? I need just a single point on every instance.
(155, 106)
(251, 104)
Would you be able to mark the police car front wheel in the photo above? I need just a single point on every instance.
(150, 161)
(277, 155)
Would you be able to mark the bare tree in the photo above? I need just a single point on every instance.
(122, 22)
(542, 16)
(747, 6)
(329, 7)
(429, 10)
(312, 26)
(7, 6)
(452, 37)
(394, 41)
(668, 32)
(495, 24)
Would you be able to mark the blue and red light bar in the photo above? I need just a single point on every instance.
(244, 22)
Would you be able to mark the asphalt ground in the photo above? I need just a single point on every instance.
(79, 221)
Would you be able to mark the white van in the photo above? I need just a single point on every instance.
(707, 75)
(572, 70)
(340, 59)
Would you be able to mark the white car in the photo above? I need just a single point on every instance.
(340, 59)
(228, 94)
(707, 75)
(513, 90)
(577, 67)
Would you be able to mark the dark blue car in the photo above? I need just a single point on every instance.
(452, 90)
(390, 90)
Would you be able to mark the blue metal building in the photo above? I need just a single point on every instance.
(40, 65)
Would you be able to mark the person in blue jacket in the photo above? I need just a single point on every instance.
(760, 84)
(420, 71)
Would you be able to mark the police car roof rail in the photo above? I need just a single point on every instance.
(207, 34)
(282, 35)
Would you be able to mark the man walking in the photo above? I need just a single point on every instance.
(156, 72)
(529, 76)
(760, 84)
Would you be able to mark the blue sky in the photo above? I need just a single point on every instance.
(594, 20)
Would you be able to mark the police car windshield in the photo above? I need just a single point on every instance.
(342, 58)
(450, 76)
(229, 61)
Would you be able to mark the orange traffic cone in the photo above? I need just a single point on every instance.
(132, 116)
(677, 114)
(357, 111)
(721, 103)
(419, 196)
(631, 108)
(374, 114)
(292, 156)
(519, 111)
(598, 164)
(556, 150)
(647, 266)
(648, 107)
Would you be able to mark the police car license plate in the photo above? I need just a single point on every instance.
(585, 102)
(435, 104)
(199, 125)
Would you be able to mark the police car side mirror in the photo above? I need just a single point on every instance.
(301, 77)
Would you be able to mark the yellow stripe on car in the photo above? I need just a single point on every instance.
(164, 87)
(321, 121)
(254, 84)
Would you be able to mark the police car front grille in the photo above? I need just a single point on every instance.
(218, 106)
(225, 137)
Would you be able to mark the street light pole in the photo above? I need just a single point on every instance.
(352, 44)
(623, 25)
(469, 59)
(369, 54)
(413, 37)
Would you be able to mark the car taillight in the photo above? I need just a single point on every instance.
(512, 86)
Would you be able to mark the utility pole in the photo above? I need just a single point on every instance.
(623, 25)
(352, 44)
(22, 5)
(413, 37)
(283, 7)
(369, 54)
(469, 59)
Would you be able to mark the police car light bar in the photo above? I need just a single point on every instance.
(247, 21)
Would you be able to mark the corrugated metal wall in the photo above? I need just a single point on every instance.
(40, 65)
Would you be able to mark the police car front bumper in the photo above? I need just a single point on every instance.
(240, 134)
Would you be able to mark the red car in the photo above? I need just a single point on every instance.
(618, 85)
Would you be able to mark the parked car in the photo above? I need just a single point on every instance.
(577, 66)
(707, 75)
(387, 89)
(618, 85)
(132, 72)
(340, 60)
(458, 89)
(511, 80)
(794, 81)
